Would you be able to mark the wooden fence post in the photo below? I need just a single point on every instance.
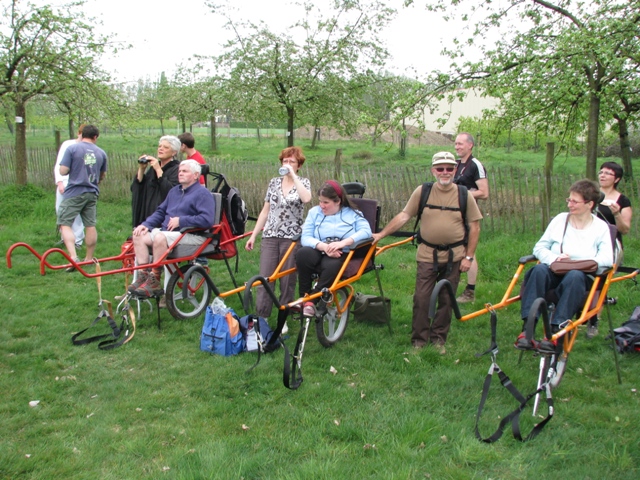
(57, 136)
(546, 198)
(337, 164)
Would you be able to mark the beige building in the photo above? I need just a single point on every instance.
(450, 113)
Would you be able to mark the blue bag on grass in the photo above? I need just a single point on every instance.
(221, 334)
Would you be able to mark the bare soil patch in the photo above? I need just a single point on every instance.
(415, 135)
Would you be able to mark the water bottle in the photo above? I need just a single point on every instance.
(252, 338)
(283, 170)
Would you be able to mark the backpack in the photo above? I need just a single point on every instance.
(257, 334)
(233, 206)
(221, 334)
(463, 193)
(627, 336)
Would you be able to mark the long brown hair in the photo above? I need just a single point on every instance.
(332, 190)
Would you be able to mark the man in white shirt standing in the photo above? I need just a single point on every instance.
(61, 184)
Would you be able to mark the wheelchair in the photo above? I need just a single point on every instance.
(184, 300)
(334, 302)
(553, 351)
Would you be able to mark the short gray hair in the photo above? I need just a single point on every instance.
(470, 138)
(194, 166)
(173, 141)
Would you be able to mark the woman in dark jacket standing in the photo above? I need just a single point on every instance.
(154, 178)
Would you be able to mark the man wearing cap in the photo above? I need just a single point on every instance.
(442, 226)
(471, 174)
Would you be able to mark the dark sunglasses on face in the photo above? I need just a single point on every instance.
(442, 169)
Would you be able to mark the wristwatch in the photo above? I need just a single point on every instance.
(469, 258)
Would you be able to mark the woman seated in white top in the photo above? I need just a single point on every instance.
(576, 235)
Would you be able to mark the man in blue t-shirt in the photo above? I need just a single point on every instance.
(86, 165)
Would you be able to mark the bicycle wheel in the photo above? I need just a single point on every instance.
(198, 297)
(332, 325)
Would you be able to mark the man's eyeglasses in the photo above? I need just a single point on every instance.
(571, 201)
(442, 169)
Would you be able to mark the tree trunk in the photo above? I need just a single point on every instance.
(316, 130)
(592, 135)
(337, 164)
(548, 171)
(162, 127)
(403, 140)
(290, 115)
(258, 134)
(214, 144)
(625, 146)
(72, 130)
(21, 142)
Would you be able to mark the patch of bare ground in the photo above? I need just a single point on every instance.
(415, 135)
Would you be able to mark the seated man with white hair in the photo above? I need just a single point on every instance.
(188, 204)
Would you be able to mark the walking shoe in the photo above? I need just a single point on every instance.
(150, 288)
(202, 261)
(467, 296)
(523, 344)
(592, 331)
(548, 346)
(72, 268)
(141, 278)
(297, 308)
(162, 303)
(440, 348)
(285, 329)
(309, 309)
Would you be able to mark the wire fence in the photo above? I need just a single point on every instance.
(516, 203)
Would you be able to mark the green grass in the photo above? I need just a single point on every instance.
(158, 407)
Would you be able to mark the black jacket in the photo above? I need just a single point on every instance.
(151, 191)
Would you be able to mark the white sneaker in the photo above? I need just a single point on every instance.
(285, 328)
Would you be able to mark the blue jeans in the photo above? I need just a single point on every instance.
(570, 290)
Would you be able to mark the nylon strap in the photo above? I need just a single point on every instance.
(112, 340)
(269, 345)
(514, 416)
(293, 380)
